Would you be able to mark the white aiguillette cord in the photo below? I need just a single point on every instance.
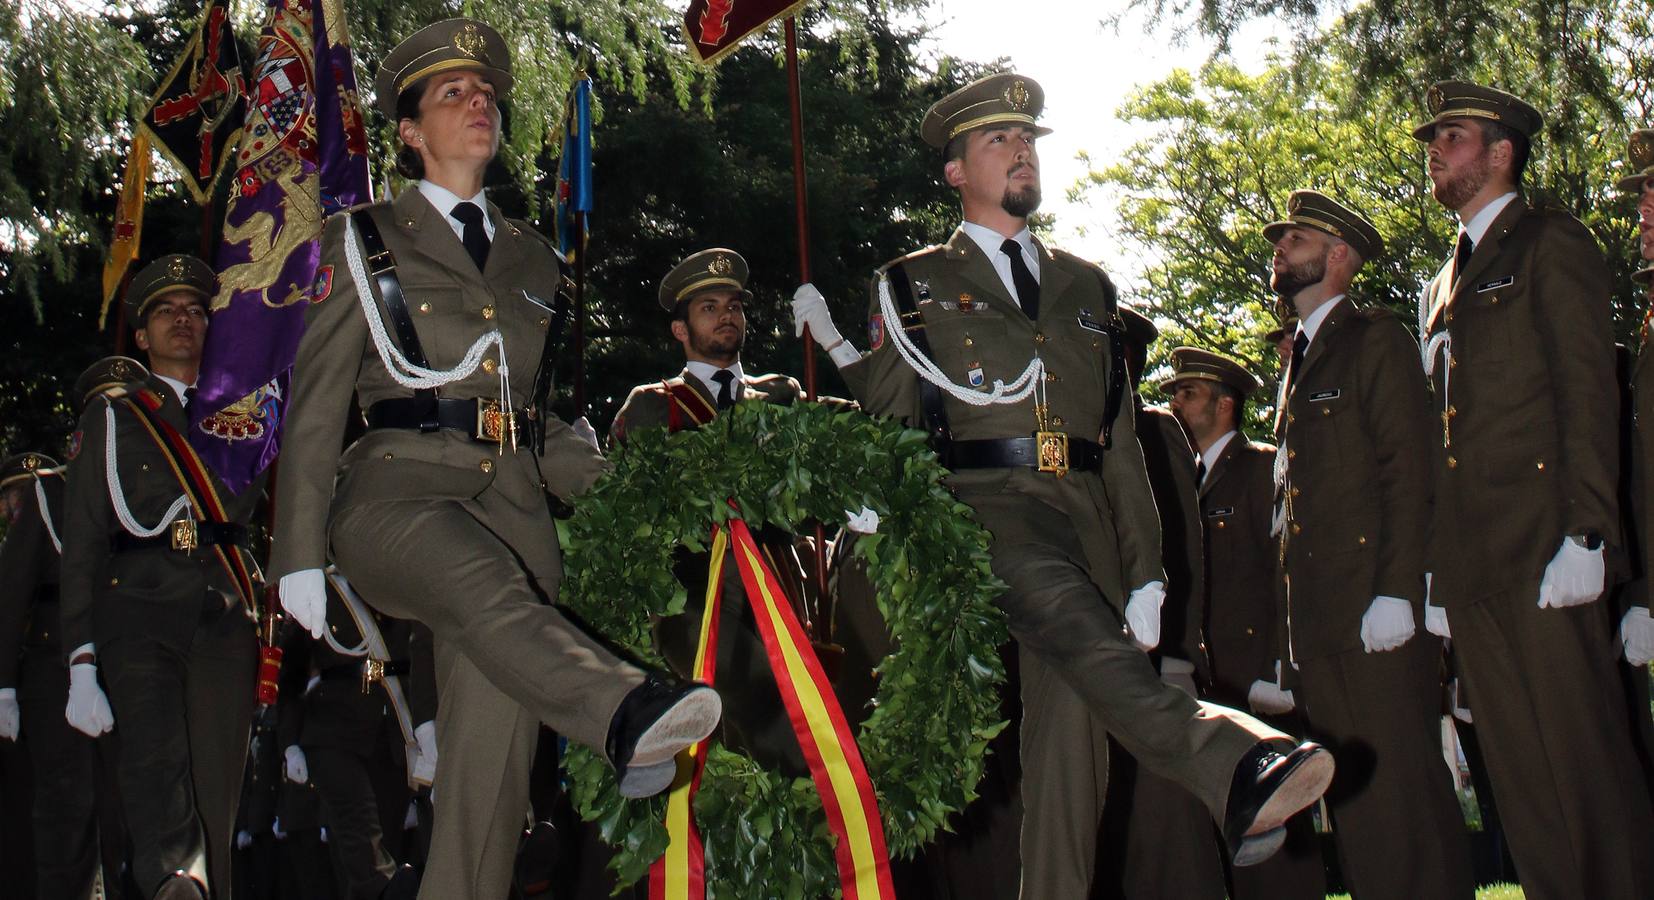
(406, 373)
(117, 497)
(46, 514)
(1002, 393)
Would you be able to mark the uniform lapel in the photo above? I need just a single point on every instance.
(1215, 474)
(506, 252)
(1053, 279)
(978, 270)
(1439, 294)
(699, 387)
(430, 234)
(1487, 249)
(1323, 334)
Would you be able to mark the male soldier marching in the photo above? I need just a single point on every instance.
(69, 787)
(1058, 478)
(1208, 393)
(1352, 479)
(158, 587)
(1518, 344)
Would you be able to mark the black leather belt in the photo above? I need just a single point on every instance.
(1002, 453)
(204, 534)
(354, 670)
(483, 420)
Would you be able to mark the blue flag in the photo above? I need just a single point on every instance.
(574, 171)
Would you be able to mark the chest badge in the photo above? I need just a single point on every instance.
(966, 303)
(975, 376)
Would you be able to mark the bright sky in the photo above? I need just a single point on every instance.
(1086, 69)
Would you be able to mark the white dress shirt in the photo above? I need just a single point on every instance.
(445, 200)
(990, 241)
(704, 371)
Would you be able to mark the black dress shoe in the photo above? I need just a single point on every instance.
(180, 886)
(1269, 787)
(404, 885)
(656, 720)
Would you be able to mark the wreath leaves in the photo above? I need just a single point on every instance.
(937, 703)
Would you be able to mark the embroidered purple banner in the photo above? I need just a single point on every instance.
(302, 157)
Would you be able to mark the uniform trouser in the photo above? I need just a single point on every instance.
(506, 661)
(1296, 871)
(1549, 713)
(184, 720)
(364, 794)
(1158, 841)
(68, 776)
(1396, 820)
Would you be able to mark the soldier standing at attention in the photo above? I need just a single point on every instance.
(1353, 499)
(158, 588)
(1009, 355)
(1636, 628)
(1208, 394)
(1518, 346)
(438, 513)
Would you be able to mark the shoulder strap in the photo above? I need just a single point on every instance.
(545, 376)
(913, 322)
(1117, 359)
(382, 264)
(686, 405)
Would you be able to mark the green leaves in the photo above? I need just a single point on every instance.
(937, 703)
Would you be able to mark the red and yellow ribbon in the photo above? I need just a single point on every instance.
(818, 722)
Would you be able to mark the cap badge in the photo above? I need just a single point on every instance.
(468, 40)
(1017, 96)
(175, 268)
(1293, 204)
(1642, 150)
(121, 370)
(720, 265)
(1435, 99)
(31, 462)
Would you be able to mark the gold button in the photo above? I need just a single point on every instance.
(1291, 454)
(1326, 410)
(969, 342)
(144, 466)
(1290, 418)
(1361, 539)
(425, 307)
(1039, 337)
(488, 311)
(1450, 316)
(1296, 528)
(1057, 422)
(1222, 523)
(1250, 631)
(1452, 411)
(1452, 462)
(409, 222)
(1294, 492)
(1050, 377)
(114, 581)
(544, 321)
(1452, 362)
(390, 455)
(488, 365)
(1096, 344)
(486, 465)
(1540, 465)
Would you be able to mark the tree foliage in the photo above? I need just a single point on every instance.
(1336, 115)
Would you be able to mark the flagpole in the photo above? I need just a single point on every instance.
(819, 620)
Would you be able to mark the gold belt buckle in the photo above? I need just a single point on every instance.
(184, 535)
(1053, 451)
(372, 670)
(490, 421)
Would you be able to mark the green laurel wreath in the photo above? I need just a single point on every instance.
(937, 704)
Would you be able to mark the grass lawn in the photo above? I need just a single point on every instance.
(1491, 892)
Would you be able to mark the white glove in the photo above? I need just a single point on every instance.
(243, 839)
(1636, 632)
(304, 596)
(1387, 624)
(1573, 576)
(1143, 614)
(424, 767)
(583, 428)
(297, 767)
(1267, 698)
(810, 309)
(88, 709)
(864, 522)
(10, 715)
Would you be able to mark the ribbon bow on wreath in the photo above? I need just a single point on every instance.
(731, 827)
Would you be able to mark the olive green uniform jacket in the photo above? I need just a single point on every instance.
(1236, 504)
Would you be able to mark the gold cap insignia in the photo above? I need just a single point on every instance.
(720, 265)
(469, 41)
(31, 462)
(1641, 150)
(1435, 99)
(1294, 203)
(1017, 96)
(175, 269)
(121, 370)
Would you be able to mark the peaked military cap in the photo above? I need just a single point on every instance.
(175, 272)
(1639, 153)
(1140, 329)
(1193, 362)
(1274, 335)
(109, 372)
(1313, 209)
(1463, 100)
(23, 465)
(1644, 275)
(718, 269)
(1004, 99)
(442, 47)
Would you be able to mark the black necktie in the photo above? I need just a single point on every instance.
(1300, 345)
(1200, 471)
(726, 396)
(1027, 287)
(475, 237)
(1461, 254)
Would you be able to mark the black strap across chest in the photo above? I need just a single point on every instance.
(382, 265)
